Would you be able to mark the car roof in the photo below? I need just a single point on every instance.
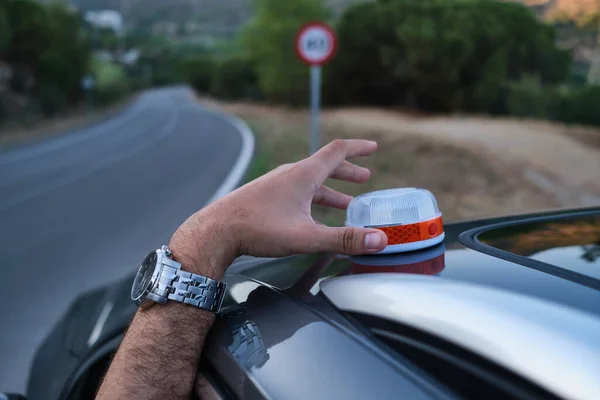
(552, 345)
(526, 300)
(461, 257)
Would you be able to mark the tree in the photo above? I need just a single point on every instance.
(104, 39)
(440, 55)
(360, 71)
(47, 44)
(66, 61)
(269, 42)
(29, 34)
(5, 31)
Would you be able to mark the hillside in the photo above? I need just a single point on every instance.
(231, 12)
(553, 9)
(569, 17)
(214, 16)
(221, 19)
(189, 16)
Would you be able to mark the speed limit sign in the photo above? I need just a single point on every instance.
(315, 45)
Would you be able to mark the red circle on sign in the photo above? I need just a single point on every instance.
(332, 40)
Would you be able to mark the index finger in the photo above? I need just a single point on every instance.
(331, 156)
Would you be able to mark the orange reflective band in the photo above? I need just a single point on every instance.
(401, 234)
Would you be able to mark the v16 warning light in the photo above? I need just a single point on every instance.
(410, 217)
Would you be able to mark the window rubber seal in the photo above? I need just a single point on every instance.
(470, 239)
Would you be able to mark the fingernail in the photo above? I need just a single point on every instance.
(372, 241)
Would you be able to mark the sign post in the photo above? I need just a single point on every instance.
(315, 45)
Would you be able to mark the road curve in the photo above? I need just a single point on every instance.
(79, 211)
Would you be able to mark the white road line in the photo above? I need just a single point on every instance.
(236, 174)
(231, 182)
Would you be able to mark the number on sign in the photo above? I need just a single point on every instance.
(315, 43)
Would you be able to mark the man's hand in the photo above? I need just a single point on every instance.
(270, 216)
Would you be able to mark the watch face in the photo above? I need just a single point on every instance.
(143, 279)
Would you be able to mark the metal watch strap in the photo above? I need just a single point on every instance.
(186, 287)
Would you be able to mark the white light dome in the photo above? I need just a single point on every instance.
(410, 217)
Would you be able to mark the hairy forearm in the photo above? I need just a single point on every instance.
(159, 356)
(158, 359)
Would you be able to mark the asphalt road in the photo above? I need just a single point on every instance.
(81, 210)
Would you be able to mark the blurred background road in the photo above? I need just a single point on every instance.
(81, 210)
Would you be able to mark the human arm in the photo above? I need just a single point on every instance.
(268, 217)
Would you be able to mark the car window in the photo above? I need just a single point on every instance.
(572, 244)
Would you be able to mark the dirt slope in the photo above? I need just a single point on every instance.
(550, 154)
(560, 162)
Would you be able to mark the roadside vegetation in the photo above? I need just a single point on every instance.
(434, 56)
(43, 57)
(46, 50)
(475, 100)
(111, 81)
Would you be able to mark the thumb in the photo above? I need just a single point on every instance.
(350, 240)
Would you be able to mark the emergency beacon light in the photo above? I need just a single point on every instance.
(410, 217)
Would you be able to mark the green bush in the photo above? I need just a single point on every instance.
(51, 100)
(2, 109)
(110, 94)
(164, 68)
(20, 80)
(570, 104)
(268, 41)
(578, 74)
(111, 83)
(5, 30)
(528, 97)
(162, 76)
(227, 77)
(198, 72)
(367, 68)
(232, 78)
(580, 105)
(440, 55)
(47, 41)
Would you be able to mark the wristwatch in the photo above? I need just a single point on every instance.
(160, 278)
